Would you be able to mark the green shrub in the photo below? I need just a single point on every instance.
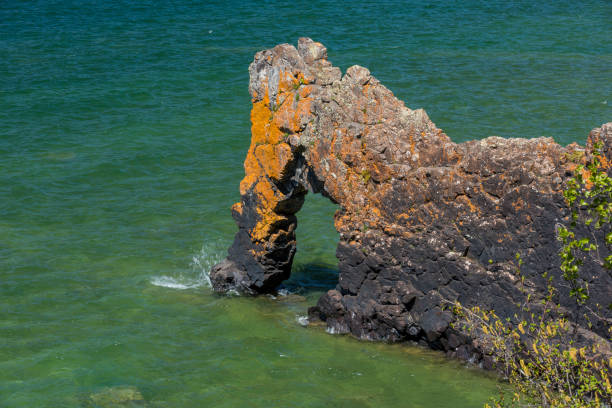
(538, 357)
(589, 196)
(536, 350)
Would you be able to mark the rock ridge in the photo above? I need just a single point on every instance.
(422, 220)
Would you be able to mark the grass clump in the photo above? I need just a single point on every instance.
(365, 176)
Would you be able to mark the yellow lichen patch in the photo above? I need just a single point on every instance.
(267, 160)
(251, 170)
(262, 229)
(260, 119)
(341, 222)
(433, 212)
(284, 155)
(381, 198)
(586, 176)
(393, 229)
(289, 114)
(403, 217)
(604, 163)
(268, 198)
(348, 146)
(302, 110)
(299, 80)
(518, 204)
(466, 200)
(267, 156)
(543, 148)
(286, 81)
(379, 172)
(237, 207)
(266, 194)
(273, 159)
(304, 91)
(260, 114)
(375, 211)
(284, 118)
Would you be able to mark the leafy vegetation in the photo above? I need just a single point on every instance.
(298, 83)
(537, 350)
(365, 176)
(538, 356)
(589, 197)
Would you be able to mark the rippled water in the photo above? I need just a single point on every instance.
(123, 130)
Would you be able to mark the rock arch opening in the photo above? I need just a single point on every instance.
(315, 266)
(262, 254)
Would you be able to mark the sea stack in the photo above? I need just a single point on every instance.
(423, 221)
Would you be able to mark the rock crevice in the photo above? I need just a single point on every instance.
(422, 220)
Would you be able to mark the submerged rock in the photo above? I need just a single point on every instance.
(422, 220)
(290, 298)
(116, 397)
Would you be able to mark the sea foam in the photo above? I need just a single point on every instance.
(200, 265)
(174, 283)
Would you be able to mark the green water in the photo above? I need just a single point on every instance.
(123, 127)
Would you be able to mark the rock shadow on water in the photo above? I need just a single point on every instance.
(311, 278)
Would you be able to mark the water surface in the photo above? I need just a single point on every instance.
(123, 130)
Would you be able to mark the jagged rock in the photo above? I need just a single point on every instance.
(421, 219)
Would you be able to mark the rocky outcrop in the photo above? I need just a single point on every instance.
(421, 219)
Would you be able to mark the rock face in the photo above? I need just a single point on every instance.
(421, 219)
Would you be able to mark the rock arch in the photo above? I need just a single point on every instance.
(278, 172)
(421, 219)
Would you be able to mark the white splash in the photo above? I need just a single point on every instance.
(201, 264)
(283, 292)
(173, 283)
(302, 320)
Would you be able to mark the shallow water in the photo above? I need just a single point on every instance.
(123, 130)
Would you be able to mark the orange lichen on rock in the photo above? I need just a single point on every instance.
(237, 208)
(420, 218)
(279, 115)
(260, 114)
(466, 200)
(267, 159)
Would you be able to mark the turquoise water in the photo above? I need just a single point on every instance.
(123, 130)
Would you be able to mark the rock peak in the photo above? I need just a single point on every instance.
(311, 51)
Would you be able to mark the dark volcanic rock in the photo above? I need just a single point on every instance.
(421, 219)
